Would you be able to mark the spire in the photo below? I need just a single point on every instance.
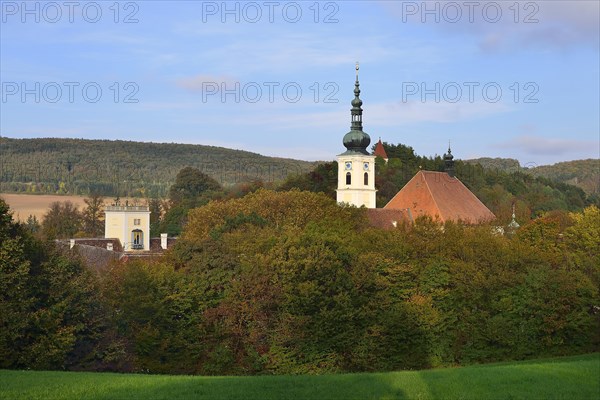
(356, 105)
(449, 162)
(356, 141)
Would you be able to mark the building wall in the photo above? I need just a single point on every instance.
(356, 193)
(121, 221)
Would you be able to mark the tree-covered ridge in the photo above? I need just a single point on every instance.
(111, 168)
(78, 166)
(584, 174)
(497, 163)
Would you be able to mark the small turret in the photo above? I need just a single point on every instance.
(513, 225)
(380, 151)
(449, 162)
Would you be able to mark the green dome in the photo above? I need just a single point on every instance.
(357, 142)
(448, 156)
(356, 102)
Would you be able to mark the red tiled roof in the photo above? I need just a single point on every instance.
(439, 195)
(388, 218)
(380, 151)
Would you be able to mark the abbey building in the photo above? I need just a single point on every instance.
(439, 195)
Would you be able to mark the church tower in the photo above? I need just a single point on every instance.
(356, 167)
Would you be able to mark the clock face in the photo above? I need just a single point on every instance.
(348, 165)
(366, 166)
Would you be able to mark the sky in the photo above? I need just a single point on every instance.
(495, 79)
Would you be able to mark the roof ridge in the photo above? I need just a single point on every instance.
(398, 192)
(432, 196)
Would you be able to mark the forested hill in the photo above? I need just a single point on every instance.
(500, 164)
(78, 166)
(581, 173)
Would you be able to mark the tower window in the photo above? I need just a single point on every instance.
(366, 178)
(348, 178)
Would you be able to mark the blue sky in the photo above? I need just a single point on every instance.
(497, 79)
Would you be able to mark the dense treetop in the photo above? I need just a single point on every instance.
(289, 282)
(50, 310)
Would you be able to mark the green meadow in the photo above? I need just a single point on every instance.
(566, 378)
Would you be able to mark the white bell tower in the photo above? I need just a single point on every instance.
(356, 167)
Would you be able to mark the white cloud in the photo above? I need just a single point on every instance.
(554, 24)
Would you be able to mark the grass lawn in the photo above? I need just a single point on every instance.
(568, 378)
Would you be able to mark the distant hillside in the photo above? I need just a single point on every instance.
(501, 164)
(581, 173)
(78, 166)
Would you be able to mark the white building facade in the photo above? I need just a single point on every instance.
(356, 180)
(129, 224)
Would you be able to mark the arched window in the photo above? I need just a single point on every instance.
(137, 239)
(366, 178)
(348, 178)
